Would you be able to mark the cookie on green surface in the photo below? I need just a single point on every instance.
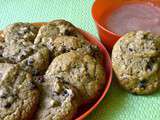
(136, 62)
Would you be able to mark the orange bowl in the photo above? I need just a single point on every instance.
(89, 107)
(106, 7)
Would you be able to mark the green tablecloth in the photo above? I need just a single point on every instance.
(118, 104)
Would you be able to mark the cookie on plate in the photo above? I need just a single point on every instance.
(136, 62)
(19, 38)
(80, 70)
(64, 44)
(17, 52)
(24, 32)
(59, 101)
(36, 63)
(18, 95)
(47, 33)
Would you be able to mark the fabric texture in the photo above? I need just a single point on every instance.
(118, 104)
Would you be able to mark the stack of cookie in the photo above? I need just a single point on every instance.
(48, 71)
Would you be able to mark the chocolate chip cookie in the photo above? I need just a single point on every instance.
(36, 63)
(18, 96)
(59, 101)
(80, 70)
(24, 32)
(64, 44)
(136, 62)
(50, 31)
(19, 38)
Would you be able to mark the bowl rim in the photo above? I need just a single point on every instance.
(98, 24)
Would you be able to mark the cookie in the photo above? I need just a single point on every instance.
(59, 101)
(80, 70)
(140, 44)
(18, 96)
(136, 62)
(64, 44)
(24, 32)
(36, 63)
(50, 31)
(19, 38)
(17, 52)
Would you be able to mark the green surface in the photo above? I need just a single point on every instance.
(118, 104)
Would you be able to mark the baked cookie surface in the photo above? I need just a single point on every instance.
(136, 62)
(19, 38)
(59, 101)
(64, 44)
(36, 63)
(80, 70)
(18, 95)
(55, 28)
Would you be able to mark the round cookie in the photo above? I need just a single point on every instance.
(63, 44)
(36, 63)
(136, 62)
(50, 31)
(19, 38)
(58, 101)
(80, 70)
(17, 52)
(18, 96)
(24, 32)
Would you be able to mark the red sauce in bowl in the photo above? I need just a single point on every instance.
(135, 16)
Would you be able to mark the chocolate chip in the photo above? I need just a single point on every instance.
(63, 49)
(130, 49)
(145, 36)
(34, 72)
(30, 61)
(142, 84)
(7, 105)
(65, 93)
(40, 79)
(33, 86)
(149, 67)
(54, 93)
(59, 77)
(67, 32)
(3, 96)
